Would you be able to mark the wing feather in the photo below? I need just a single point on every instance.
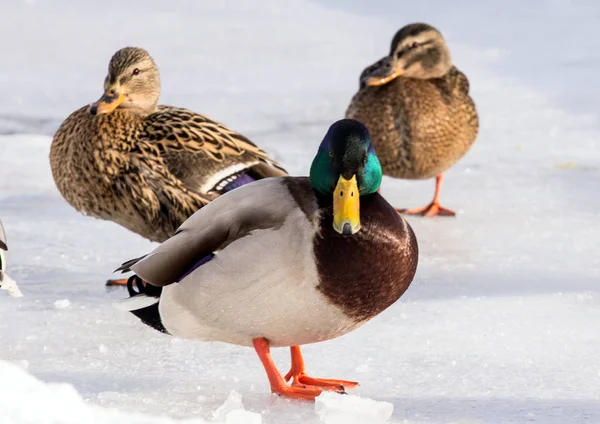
(180, 130)
(261, 205)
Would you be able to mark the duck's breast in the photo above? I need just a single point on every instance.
(367, 272)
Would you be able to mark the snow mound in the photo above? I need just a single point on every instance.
(26, 400)
(333, 408)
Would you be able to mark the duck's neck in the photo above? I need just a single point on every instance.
(141, 111)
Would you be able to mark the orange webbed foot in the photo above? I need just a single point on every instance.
(301, 392)
(299, 376)
(432, 209)
(303, 387)
(303, 379)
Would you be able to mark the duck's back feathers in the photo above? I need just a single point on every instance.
(150, 173)
(264, 204)
(104, 168)
(202, 152)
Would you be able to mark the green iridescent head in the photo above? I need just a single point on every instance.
(346, 167)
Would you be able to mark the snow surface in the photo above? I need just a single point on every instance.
(26, 400)
(502, 323)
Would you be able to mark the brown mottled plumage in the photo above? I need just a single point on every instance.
(144, 166)
(417, 108)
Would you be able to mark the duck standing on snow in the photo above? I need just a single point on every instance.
(284, 262)
(417, 107)
(143, 166)
(6, 283)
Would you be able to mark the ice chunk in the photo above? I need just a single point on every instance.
(333, 408)
(232, 411)
(62, 304)
(233, 402)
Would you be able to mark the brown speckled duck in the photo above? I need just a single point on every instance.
(417, 106)
(284, 262)
(143, 166)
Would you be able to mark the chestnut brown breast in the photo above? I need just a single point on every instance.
(365, 273)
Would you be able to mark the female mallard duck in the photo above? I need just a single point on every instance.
(6, 283)
(418, 109)
(284, 261)
(143, 166)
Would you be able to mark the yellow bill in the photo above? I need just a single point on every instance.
(108, 102)
(346, 206)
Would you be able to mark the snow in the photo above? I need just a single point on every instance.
(59, 403)
(333, 408)
(502, 322)
(10, 285)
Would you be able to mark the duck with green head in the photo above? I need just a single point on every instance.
(283, 262)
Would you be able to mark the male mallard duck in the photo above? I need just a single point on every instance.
(6, 283)
(418, 109)
(284, 261)
(143, 166)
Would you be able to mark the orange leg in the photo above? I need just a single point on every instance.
(119, 282)
(434, 208)
(299, 377)
(278, 384)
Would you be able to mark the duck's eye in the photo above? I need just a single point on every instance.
(136, 71)
(414, 45)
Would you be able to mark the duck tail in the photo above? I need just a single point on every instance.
(143, 302)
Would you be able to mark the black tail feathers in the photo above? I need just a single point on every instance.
(149, 315)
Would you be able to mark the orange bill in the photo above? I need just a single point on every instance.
(108, 102)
